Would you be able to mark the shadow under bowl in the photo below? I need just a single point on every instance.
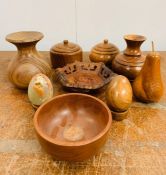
(82, 111)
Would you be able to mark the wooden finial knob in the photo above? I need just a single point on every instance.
(65, 41)
(106, 41)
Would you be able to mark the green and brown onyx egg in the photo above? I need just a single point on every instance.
(40, 90)
(119, 94)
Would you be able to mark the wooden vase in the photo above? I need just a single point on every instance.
(130, 62)
(28, 60)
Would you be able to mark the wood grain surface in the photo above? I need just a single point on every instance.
(136, 145)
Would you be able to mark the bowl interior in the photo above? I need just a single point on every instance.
(72, 110)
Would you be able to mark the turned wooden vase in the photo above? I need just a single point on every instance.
(130, 62)
(28, 61)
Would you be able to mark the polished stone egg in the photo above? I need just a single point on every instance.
(40, 90)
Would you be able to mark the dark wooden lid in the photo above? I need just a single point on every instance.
(105, 48)
(66, 47)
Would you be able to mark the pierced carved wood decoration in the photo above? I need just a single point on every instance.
(84, 76)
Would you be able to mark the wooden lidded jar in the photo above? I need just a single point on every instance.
(64, 53)
(104, 52)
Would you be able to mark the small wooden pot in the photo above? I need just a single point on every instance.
(64, 53)
(104, 52)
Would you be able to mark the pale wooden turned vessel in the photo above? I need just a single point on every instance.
(148, 85)
(28, 61)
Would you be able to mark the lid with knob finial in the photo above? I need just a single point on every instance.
(66, 47)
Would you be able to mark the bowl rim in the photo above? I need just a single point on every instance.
(13, 38)
(136, 37)
(78, 143)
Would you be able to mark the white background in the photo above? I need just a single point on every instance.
(85, 22)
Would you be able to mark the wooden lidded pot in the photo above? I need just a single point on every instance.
(103, 52)
(64, 53)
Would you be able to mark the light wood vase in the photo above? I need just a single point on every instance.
(28, 60)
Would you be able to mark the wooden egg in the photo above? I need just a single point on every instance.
(119, 94)
(40, 89)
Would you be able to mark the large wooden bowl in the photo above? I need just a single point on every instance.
(81, 110)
